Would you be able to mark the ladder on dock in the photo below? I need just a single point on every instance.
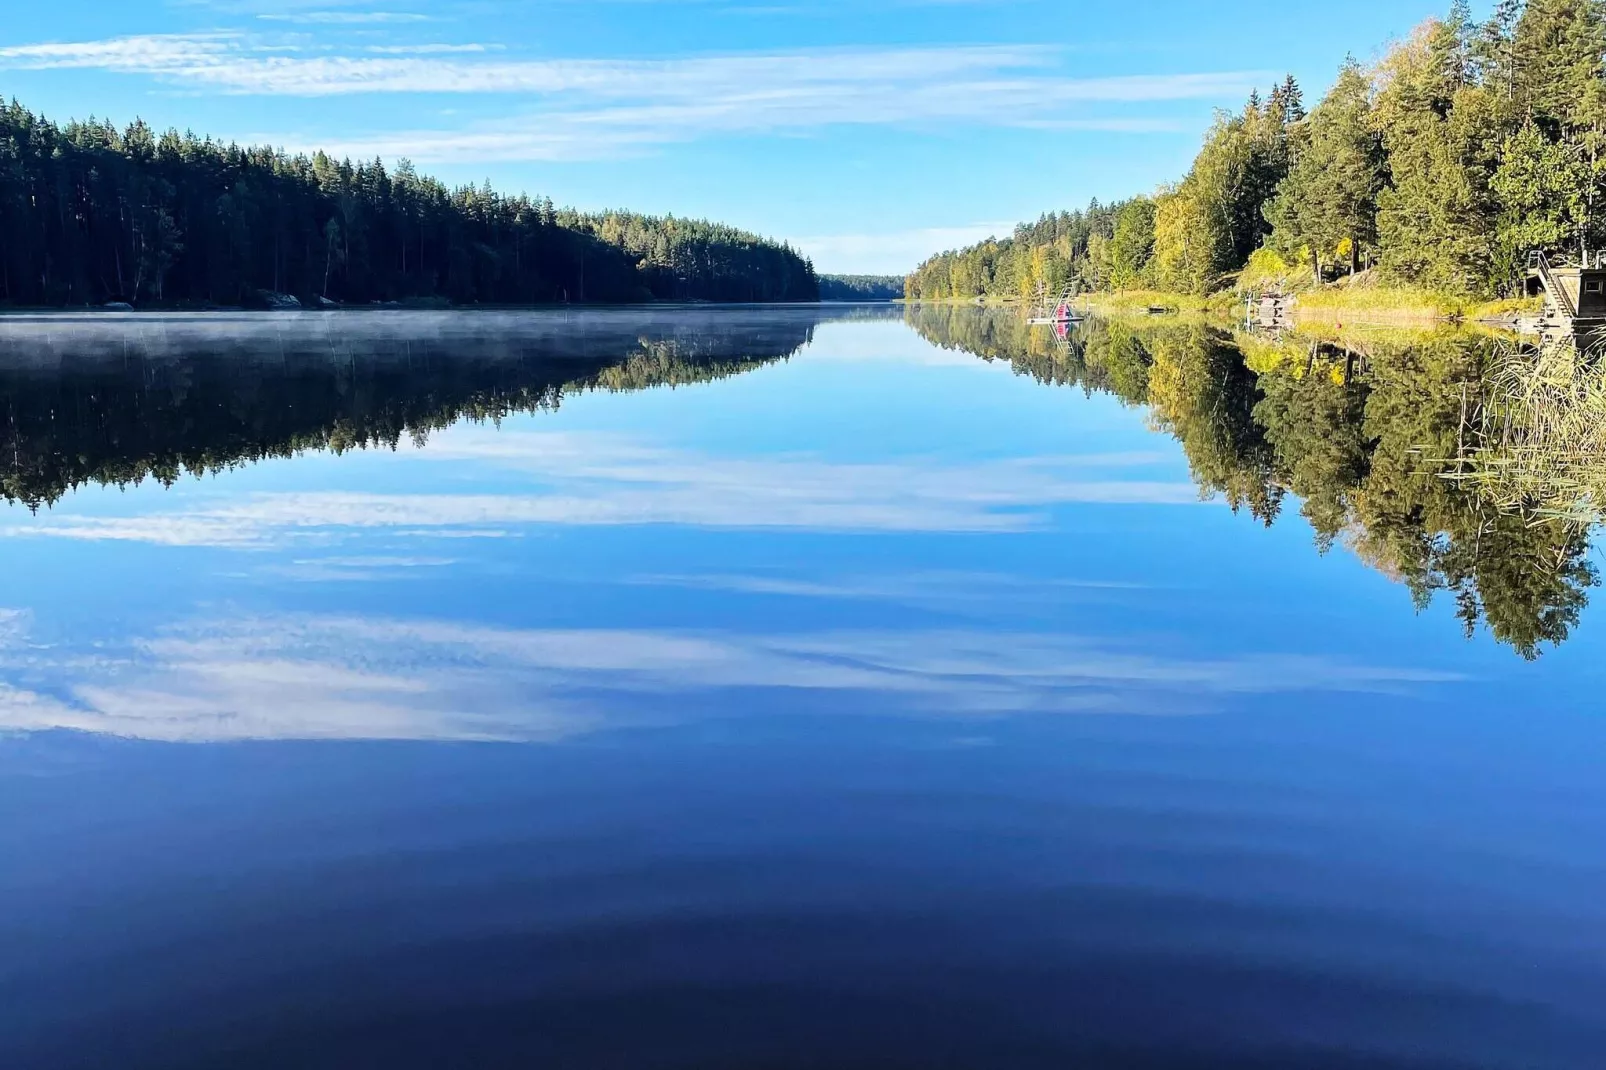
(1061, 311)
(1556, 294)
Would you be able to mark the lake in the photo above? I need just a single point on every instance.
(782, 687)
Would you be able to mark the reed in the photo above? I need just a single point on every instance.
(1535, 443)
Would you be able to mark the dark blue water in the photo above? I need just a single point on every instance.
(762, 689)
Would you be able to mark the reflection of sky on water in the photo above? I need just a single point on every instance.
(868, 521)
(877, 686)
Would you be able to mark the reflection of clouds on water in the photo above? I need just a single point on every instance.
(325, 677)
(362, 568)
(14, 625)
(606, 479)
(939, 588)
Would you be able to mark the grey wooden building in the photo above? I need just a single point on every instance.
(1572, 292)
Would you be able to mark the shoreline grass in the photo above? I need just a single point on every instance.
(1359, 301)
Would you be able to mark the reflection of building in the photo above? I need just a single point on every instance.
(1271, 311)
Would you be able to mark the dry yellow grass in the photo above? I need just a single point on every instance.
(1143, 300)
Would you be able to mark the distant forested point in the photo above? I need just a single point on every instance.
(861, 287)
(1465, 148)
(92, 214)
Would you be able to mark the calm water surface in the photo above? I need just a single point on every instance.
(778, 688)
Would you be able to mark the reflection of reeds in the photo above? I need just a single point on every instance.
(1536, 444)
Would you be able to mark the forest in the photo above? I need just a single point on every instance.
(861, 287)
(1441, 166)
(92, 215)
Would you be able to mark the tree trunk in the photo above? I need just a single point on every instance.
(328, 262)
(1589, 201)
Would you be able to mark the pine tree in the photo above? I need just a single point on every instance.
(1495, 49)
(1560, 83)
(1557, 50)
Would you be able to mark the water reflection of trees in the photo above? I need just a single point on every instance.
(1371, 439)
(120, 402)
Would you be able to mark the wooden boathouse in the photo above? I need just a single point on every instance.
(1575, 294)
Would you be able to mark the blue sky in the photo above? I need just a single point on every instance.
(869, 135)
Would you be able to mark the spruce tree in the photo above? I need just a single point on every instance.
(1436, 217)
(1495, 49)
(1132, 245)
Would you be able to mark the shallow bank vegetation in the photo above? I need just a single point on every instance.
(1428, 177)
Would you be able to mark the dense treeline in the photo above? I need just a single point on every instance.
(111, 404)
(861, 287)
(92, 214)
(1369, 442)
(1050, 253)
(1466, 147)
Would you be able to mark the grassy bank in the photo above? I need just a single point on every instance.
(1147, 300)
(1364, 297)
(1335, 303)
(1329, 304)
(1406, 305)
(1361, 300)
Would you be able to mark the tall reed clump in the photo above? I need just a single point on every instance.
(1535, 443)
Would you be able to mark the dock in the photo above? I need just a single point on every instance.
(1046, 314)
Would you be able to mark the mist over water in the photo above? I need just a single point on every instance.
(782, 687)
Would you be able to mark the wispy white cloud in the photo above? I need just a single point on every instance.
(438, 49)
(586, 108)
(346, 18)
(135, 54)
(236, 63)
(316, 677)
(14, 625)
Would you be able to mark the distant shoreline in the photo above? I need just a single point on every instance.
(171, 310)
